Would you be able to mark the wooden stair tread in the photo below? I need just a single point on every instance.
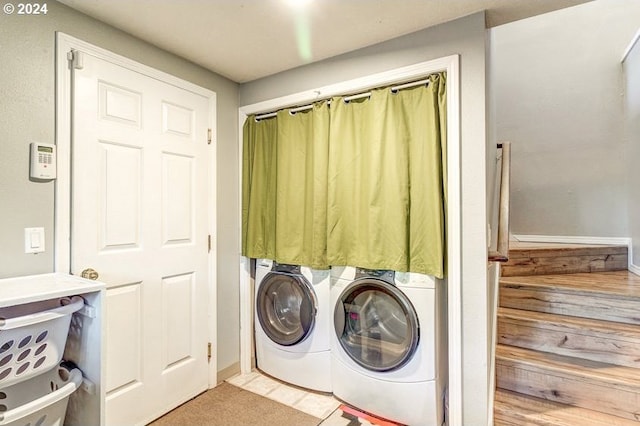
(615, 283)
(565, 366)
(513, 408)
(556, 321)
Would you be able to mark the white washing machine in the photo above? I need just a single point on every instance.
(293, 323)
(388, 346)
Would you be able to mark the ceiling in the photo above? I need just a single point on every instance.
(244, 40)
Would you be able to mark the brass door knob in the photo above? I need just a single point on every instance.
(90, 274)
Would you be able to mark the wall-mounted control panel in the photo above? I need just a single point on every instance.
(43, 161)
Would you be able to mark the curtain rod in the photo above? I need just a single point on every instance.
(393, 89)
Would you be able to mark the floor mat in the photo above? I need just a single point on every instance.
(349, 416)
(227, 404)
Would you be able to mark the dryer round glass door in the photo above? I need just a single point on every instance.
(376, 325)
(286, 307)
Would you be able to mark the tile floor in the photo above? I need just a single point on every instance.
(320, 405)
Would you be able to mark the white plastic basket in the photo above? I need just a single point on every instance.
(33, 336)
(41, 400)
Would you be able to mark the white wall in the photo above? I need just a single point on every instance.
(558, 85)
(466, 37)
(27, 102)
(631, 67)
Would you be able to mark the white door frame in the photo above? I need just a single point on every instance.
(450, 64)
(62, 221)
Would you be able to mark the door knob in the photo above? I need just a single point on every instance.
(90, 273)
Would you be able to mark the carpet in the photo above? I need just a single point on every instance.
(228, 405)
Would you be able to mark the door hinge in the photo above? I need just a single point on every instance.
(209, 136)
(76, 59)
(209, 352)
(208, 243)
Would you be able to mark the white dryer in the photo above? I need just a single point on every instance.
(388, 347)
(293, 323)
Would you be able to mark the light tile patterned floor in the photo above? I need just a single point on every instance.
(321, 405)
(316, 404)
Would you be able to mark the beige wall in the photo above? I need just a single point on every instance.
(632, 115)
(557, 85)
(466, 37)
(27, 58)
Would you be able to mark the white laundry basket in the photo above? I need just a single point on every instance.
(41, 400)
(33, 337)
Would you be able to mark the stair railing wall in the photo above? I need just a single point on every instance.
(496, 257)
(501, 254)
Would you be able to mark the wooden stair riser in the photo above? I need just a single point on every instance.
(567, 389)
(518, 409)
(564, 261)
(576, 304)
(611, 343)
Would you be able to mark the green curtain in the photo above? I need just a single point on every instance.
(359, 183)
(259, 188)
(301, 201)
(386, 203)
(284, 187)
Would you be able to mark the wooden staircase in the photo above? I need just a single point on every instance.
(568, 350)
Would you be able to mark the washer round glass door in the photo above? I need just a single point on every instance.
(376, 325)
(286, 307)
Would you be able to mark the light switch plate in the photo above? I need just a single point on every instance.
(33, 240)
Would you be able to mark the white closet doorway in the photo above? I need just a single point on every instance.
(451, 65)
(141, 214)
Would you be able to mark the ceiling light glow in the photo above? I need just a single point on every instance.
(299, 3)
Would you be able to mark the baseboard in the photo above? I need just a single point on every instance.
(228, 372)
(634, 268)
(566, 239)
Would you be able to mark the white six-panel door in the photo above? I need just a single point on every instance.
(140, 220)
